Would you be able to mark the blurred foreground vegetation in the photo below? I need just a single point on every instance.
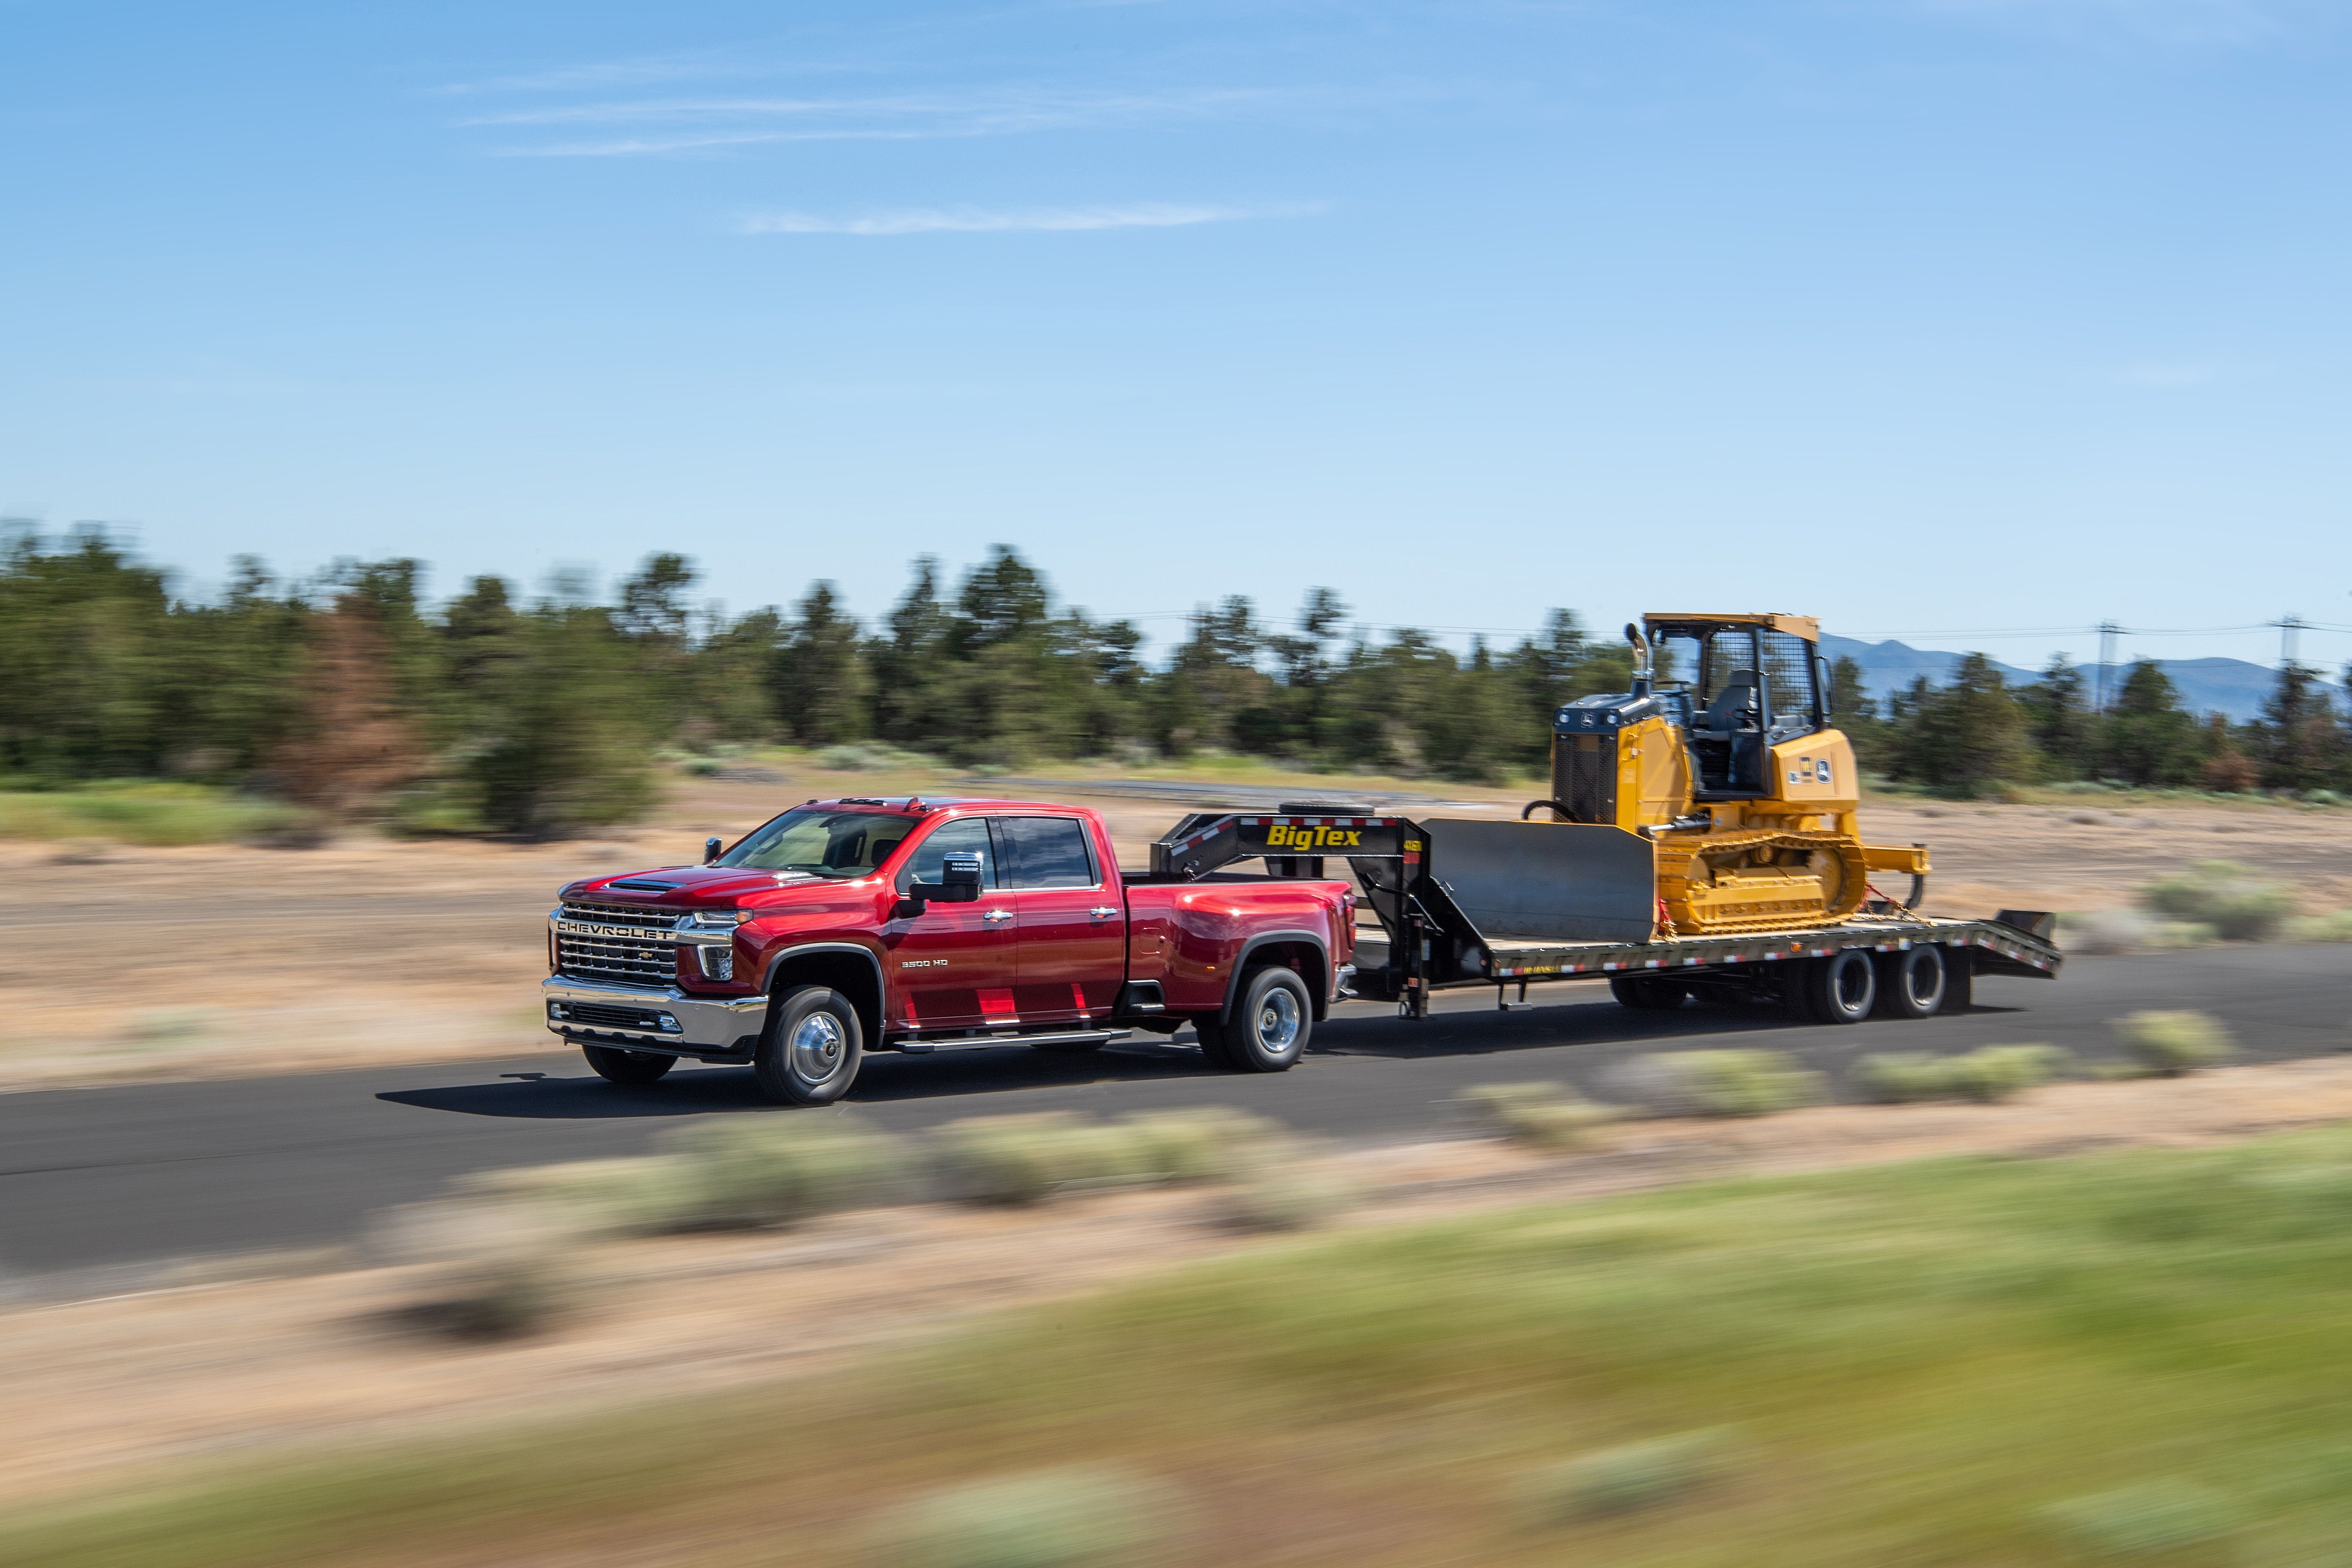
(352, 696)
(2121, 1356)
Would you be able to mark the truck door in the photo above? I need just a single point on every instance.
(952, 963)
(1071, 953)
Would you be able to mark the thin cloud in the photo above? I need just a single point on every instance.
(658, 125)
(606, 74)
(1037, 220)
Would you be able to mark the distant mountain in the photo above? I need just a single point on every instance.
(2231, 685)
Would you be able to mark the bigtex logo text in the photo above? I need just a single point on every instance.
(1281, 837)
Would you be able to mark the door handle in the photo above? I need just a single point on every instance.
(997, 915)
(1102, 912)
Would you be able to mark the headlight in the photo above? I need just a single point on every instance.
(722, 919)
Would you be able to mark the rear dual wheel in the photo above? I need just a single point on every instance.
(1267, 1030)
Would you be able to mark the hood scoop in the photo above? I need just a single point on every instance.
(647, 886)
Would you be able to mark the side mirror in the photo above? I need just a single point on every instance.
(710, 848)
(959, 882)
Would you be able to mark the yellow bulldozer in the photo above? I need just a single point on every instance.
(1723, 756)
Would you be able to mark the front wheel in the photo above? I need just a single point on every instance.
(614, 1065)
(1272, 1018)
(810, 1051)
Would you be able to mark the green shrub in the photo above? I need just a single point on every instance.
(631, 1196)
(1541, 1115)
(2168, 1043)
(2144, 1519)
(1719, 1083)
(786, 1169)
(2333, 926)
(503, 1268)
(1208, 1144)
(1992, 1073)
(749, 1171)
(1024, 1159)
(1625, 1478)
(1092, 1516)
(2234, 900)
(1286, 1185)
(157, 814)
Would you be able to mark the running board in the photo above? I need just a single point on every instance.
(974, 1042)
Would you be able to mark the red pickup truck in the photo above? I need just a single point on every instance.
(847, 926)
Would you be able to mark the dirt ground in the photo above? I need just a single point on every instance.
(120, 962)
(123, 1390)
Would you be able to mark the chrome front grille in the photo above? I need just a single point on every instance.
(647, 960)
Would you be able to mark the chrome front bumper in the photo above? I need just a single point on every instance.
(599, 1012)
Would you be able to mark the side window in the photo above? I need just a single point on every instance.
(1045, 852)
(1788, 675)
(968, 836)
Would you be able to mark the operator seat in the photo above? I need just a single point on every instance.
(1727, 739)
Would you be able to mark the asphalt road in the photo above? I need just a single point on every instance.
(118, 1175)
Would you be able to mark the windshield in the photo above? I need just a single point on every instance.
(825, 841)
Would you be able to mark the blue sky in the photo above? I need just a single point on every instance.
(1925, 316)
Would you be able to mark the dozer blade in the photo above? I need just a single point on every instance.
(1546, 881)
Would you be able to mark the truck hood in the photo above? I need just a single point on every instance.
(687, 886)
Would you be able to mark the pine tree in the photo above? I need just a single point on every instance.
(2297, 741)
(2062, 722)
(2147, 738)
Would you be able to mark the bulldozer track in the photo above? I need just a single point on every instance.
(1774, 898)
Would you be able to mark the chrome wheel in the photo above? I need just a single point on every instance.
(816, 1046)
(1277, 1021)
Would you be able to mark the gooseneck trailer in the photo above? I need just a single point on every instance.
(1470, 903)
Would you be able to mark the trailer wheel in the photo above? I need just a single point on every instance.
(1272, 1018)
(1911, 984)
(1651, 992)
(1841, 988)
(614, 1065)
(1959, 979)
(810, 1051)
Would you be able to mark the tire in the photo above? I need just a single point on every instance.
(1272, 1018)
(1959, 979)
(810, 1051)
(1651, 993)
(1212, 1032)
(1841, 988)
(1911, 984)
(614, 1065)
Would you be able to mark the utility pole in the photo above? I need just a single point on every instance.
(2109, 632)
(2290, 641)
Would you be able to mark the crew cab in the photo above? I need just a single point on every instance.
(847, 926)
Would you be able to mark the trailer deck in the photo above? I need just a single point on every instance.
(1484, 921)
